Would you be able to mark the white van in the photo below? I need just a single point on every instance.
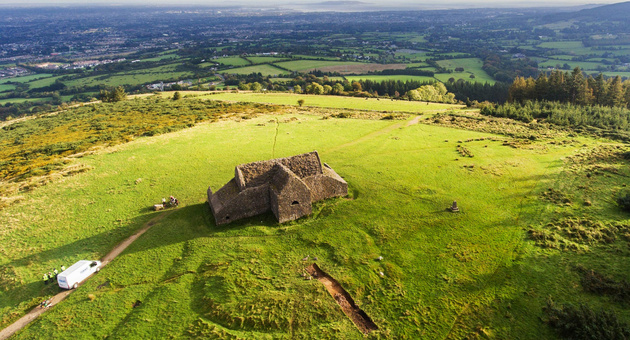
(71, 277)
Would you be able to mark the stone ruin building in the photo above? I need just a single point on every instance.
(286, 186)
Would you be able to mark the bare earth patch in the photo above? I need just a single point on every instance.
(343, 299)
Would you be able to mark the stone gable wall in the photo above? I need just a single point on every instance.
(290, 196)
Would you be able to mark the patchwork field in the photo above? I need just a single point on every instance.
(136, 77)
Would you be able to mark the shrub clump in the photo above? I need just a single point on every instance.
(583, 323)
(577, 233)
(624, 202)
(555, 196)
(600, 284)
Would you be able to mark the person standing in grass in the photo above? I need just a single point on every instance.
(50, 276)
(45, 278)
(55, 272)
(63, 268)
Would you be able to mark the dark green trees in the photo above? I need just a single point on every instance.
(572, 88)
(114, 95)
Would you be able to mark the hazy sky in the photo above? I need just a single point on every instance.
(272, 3)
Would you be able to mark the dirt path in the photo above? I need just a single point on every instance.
(343, 299)
(414, 121)
(367, 137)
(124, 244)
(37, 311)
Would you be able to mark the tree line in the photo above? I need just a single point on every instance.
(614, 119)
(573, 87)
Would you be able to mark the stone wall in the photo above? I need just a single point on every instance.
(286, 186)
(304, 165)
(256, 173)
(249, 202)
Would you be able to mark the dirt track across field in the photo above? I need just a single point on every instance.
(343, 299)
(37, 311)
(414, 121)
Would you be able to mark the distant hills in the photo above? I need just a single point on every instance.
(340, 6)
(618, 11)
(342, 3)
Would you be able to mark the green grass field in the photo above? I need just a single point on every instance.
(379, 78)
(22, 100)
(42, 82)
(303, 56)
(162, 57)
(584, 65)
(419, 65)
(266, 59)
(618, 53)
(562, 57)
(452, 54)
(231, 61)
(444, 77)
(470, 65)
(444, 276)
(281, 79)
(25, 79)
(6, 87)
(567, 47)
(305, 65)
(562, 45)
(614, 74)
(264, 69)
(334, 102)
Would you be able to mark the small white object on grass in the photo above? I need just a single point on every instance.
(380, 258)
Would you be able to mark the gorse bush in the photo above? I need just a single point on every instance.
(598, 283)
(583, 323)
(29, 148)
(624, 202)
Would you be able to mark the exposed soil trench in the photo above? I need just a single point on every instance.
(344, 300)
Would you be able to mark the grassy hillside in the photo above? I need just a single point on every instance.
(467, 275)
